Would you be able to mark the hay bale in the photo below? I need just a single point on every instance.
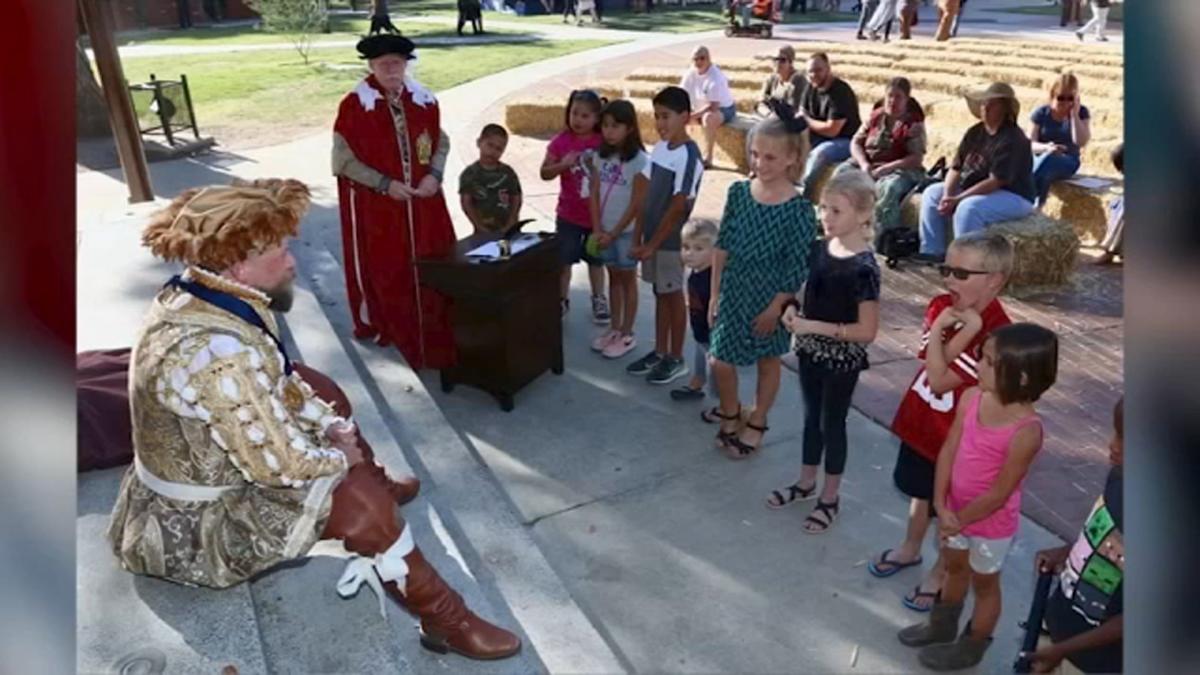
(1045, 250)
(1106, 74)
(1085, 209)
(671, 76)
(532, 117)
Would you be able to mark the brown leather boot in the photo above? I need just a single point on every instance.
(403, 489)
(446, 623)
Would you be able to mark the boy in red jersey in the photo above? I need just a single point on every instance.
(956, 324)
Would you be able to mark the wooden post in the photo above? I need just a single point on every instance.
(120, 107)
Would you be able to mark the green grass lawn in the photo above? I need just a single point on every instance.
(342, 28)
(1116, 15)
(670, 19)
(680, 19)
(259, 98)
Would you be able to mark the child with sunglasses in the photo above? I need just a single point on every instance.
(956, 325)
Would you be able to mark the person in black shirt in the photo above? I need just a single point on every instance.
(830, 108)
(1084, 613)
(990, 179)
(697, 240)
(838, 320)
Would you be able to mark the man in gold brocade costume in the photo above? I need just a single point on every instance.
(240, 460)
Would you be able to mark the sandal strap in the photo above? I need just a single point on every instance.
(762, 430)
(743, 449)
(721, 413)
(830, 512)
(794, 492)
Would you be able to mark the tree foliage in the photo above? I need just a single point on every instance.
(298, 19)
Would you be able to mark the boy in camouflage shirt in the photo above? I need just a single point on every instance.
(489, 188)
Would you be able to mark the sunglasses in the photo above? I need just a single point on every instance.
(780, 59)
(959, 273)
(1065, 99)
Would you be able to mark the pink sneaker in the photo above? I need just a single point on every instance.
(604, 339)
(619, 347)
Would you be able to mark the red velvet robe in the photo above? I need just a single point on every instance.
(382, 237)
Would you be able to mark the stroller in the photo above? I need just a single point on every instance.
(757, 18)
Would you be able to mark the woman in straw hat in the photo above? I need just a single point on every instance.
(990, 179)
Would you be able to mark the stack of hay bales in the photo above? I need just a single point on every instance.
(940, 74)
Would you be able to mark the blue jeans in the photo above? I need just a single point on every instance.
(972, 214)
(825, 151)
(1049, 167)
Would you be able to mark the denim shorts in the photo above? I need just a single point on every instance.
(728, 113)
(985, 556)
(571, 241)
(617, 253)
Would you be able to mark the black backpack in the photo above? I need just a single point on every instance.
(898, 243)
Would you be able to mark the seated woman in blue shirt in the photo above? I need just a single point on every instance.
(1057, 131)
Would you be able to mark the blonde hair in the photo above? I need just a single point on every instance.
(1065, 82)
(859, 189)
(797, 142)
(996, 249)
(700, 229)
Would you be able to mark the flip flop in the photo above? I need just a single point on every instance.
(910, 601)
(874, 566)
(686, 393)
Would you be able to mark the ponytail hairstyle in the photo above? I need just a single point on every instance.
(784, 125)
(586, 97)
(622, 112)
(859, 189)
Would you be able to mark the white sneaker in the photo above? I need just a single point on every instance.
(600, 313)
(620, 346)
(604, 339)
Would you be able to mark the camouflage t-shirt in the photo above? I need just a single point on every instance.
(491, 191)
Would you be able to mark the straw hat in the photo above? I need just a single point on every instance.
(976, 97)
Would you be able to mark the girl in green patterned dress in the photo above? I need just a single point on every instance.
(759, 263)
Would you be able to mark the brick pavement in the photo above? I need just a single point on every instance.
(1087, 315)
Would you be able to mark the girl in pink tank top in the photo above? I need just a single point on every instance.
(977, 489)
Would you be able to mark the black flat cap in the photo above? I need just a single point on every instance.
(385, 43)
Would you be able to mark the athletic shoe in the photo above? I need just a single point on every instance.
(644, 365)
(604, 339)
(667, 370)
(600, 315)
(620, 346)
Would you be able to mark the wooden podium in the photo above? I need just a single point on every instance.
(506, 315)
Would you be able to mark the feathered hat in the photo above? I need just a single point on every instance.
(217, 226)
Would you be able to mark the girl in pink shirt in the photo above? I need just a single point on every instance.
(567, 158)
(977, 489)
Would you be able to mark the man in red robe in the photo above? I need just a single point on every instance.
(389, 154)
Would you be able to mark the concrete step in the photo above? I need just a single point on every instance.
(149, 625)
(507, 570)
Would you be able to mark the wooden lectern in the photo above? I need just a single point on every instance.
(506, 315)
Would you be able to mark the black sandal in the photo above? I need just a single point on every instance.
(795, 493)
(829, 511)
(742, 448)
(712, 415)
(723, 436)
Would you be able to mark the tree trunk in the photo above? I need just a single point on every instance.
(91, 115)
